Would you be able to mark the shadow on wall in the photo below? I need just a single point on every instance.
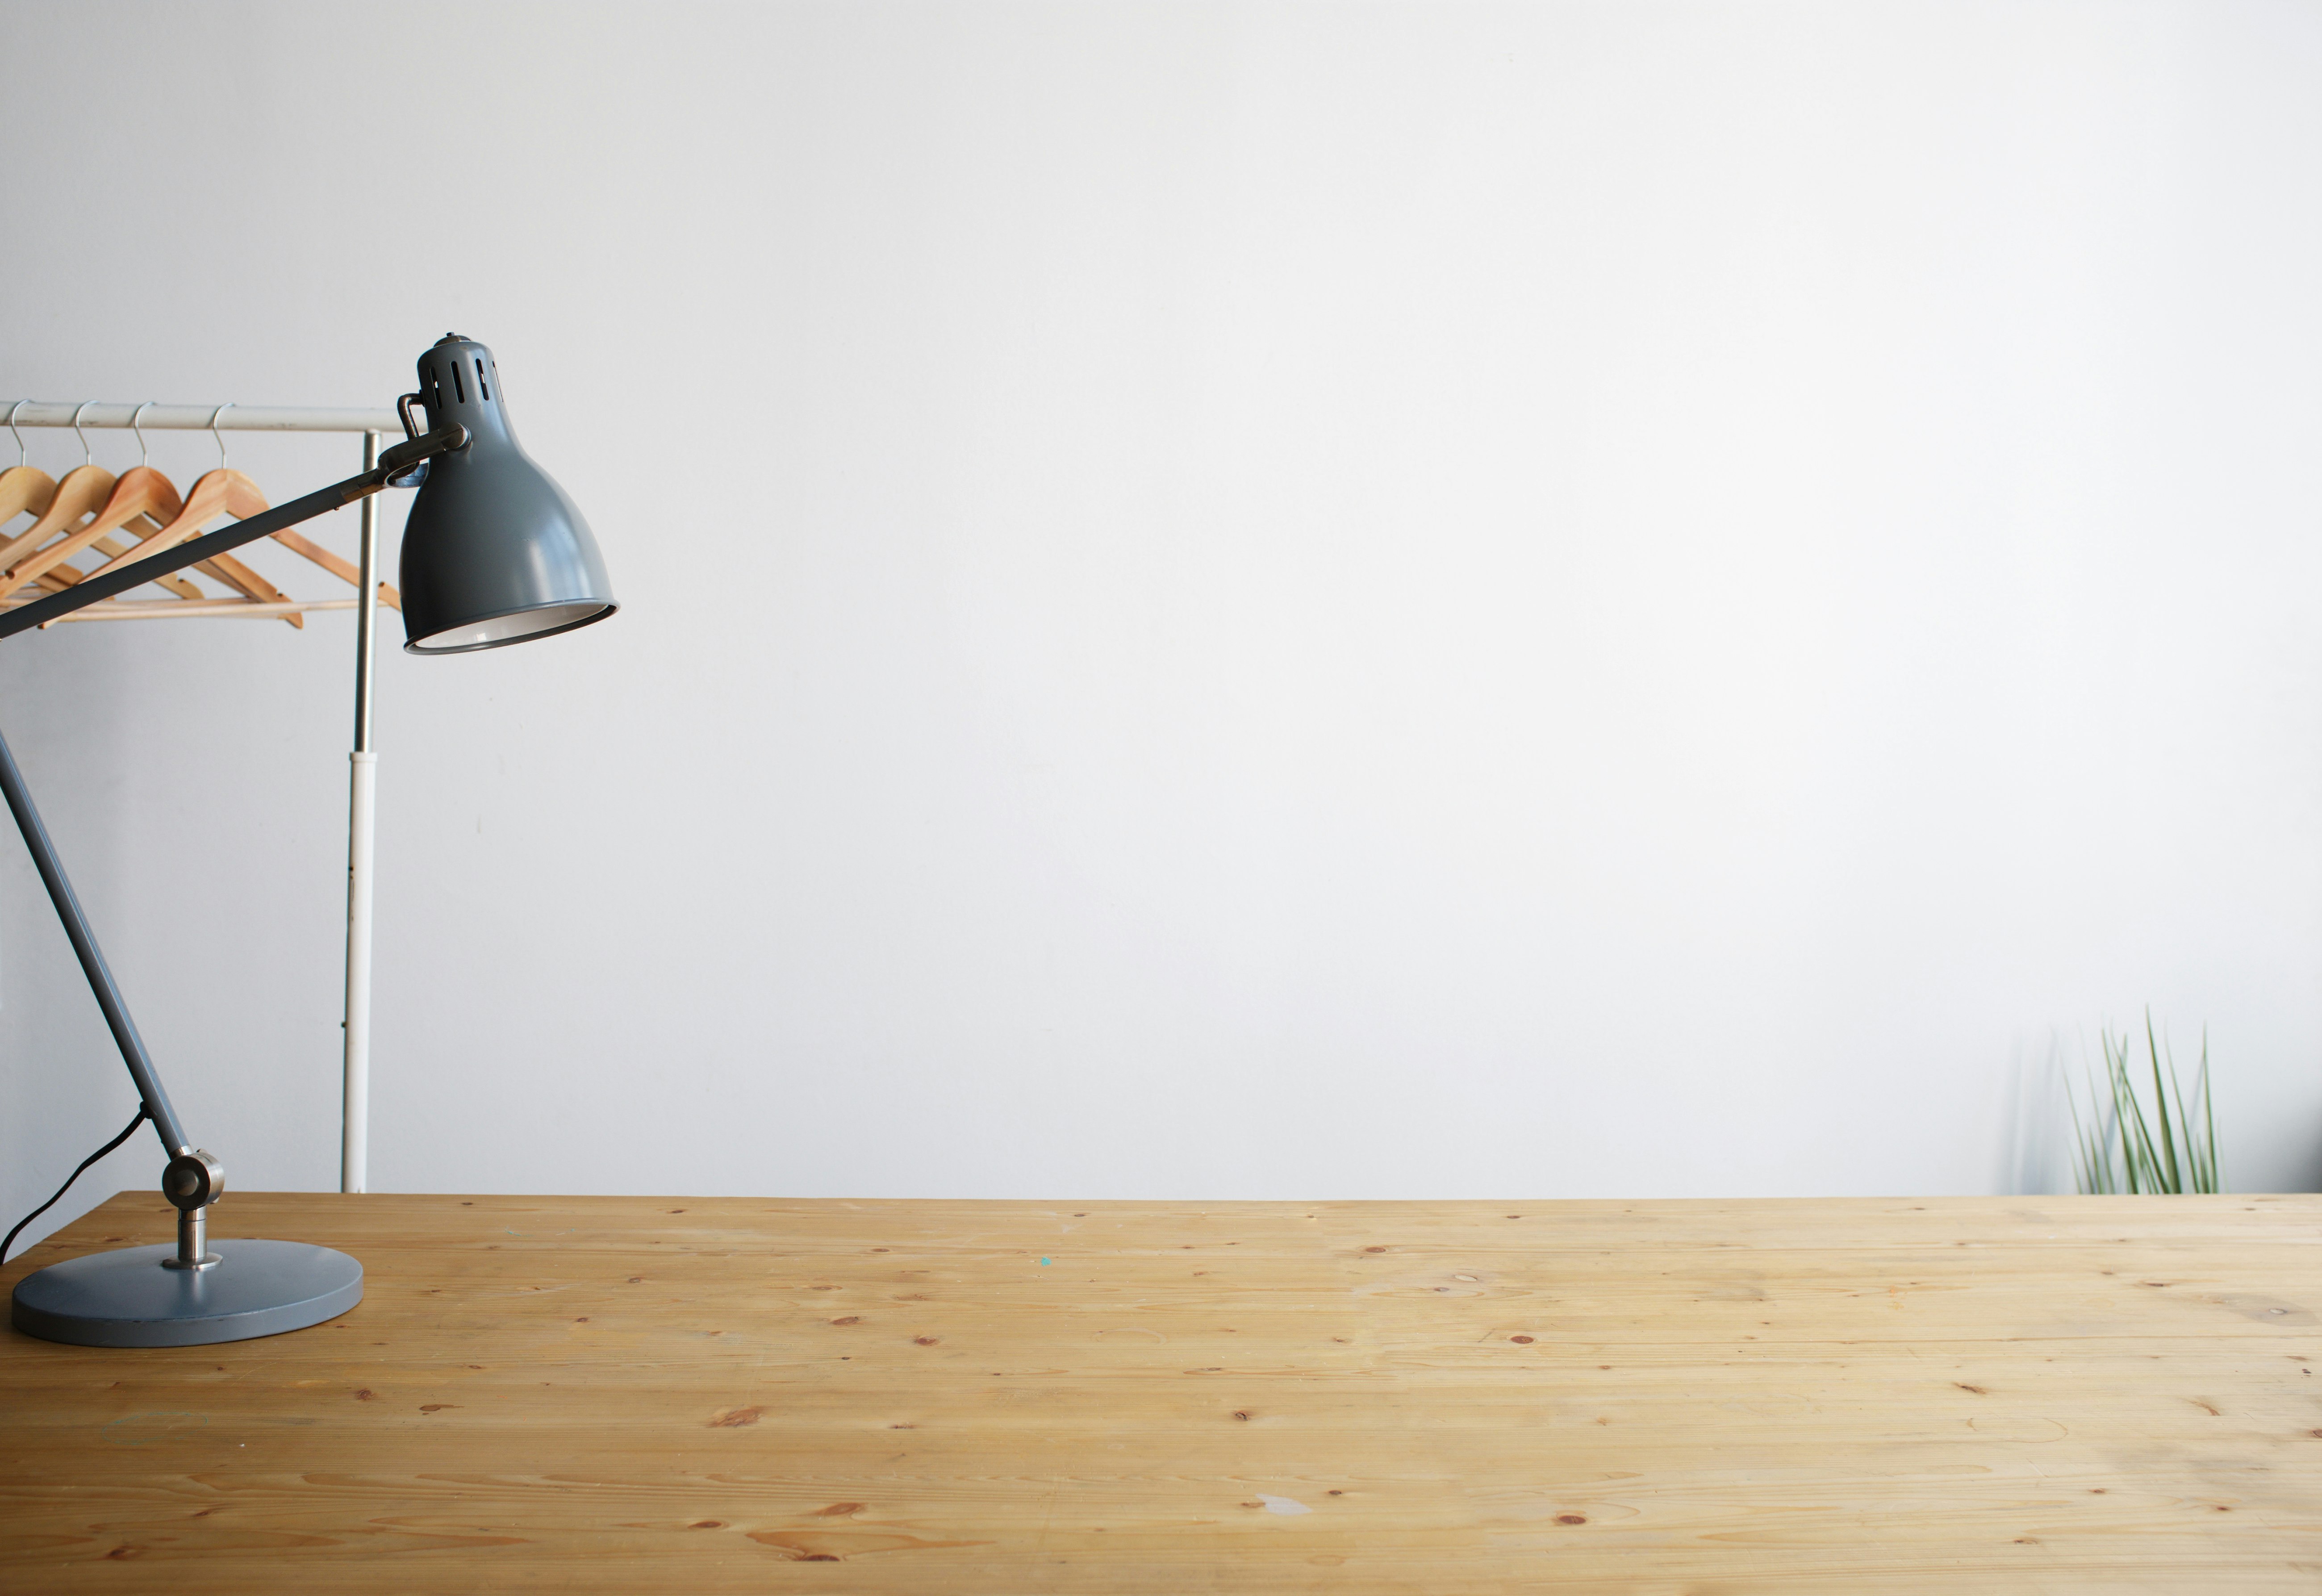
(2303, 1177)
(2036, 1157)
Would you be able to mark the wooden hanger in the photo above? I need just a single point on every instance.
(140, 493)
(222, 492)
(23, 487)
(81, 493)
(230, 493)
(140, 496)
(343, 568)
(215, 493)
(56, 578)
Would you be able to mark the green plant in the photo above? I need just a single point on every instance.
(2117, 1149)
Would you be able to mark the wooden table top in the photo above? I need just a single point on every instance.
(2050, 1394)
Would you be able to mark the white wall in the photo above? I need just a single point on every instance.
(1229, 601)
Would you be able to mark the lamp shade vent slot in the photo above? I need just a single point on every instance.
(459, 389)
(483, 388)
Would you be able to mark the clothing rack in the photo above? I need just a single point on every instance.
(199, 418)
(373, 425)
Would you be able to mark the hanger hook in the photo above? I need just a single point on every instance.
(143, 459)
(214, 436)
(86, 458)
(22, 459)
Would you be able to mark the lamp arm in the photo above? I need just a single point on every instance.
(92, 958)
(393, 464)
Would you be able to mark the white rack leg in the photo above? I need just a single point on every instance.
(354, 1136)
(354, 1148)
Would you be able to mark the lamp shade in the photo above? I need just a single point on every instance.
(494, 552)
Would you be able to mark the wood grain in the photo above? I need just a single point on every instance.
(214, 493)
(24, 489)
(2048, 1395)
(141, 495)
(345, 570)
(66, 575)
(234, 574)
(222, 492)
(81, 493)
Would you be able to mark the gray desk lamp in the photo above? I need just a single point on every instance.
(493, 553)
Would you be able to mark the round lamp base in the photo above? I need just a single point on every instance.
(127, 1299)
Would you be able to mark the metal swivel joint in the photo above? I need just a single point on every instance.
(193, 1181)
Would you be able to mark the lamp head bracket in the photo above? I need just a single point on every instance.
(403, 465)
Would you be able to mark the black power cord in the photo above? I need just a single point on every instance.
(126, 1133)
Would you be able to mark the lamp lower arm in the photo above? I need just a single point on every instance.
(92, 958)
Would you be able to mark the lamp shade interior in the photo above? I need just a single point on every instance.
(516, 628)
